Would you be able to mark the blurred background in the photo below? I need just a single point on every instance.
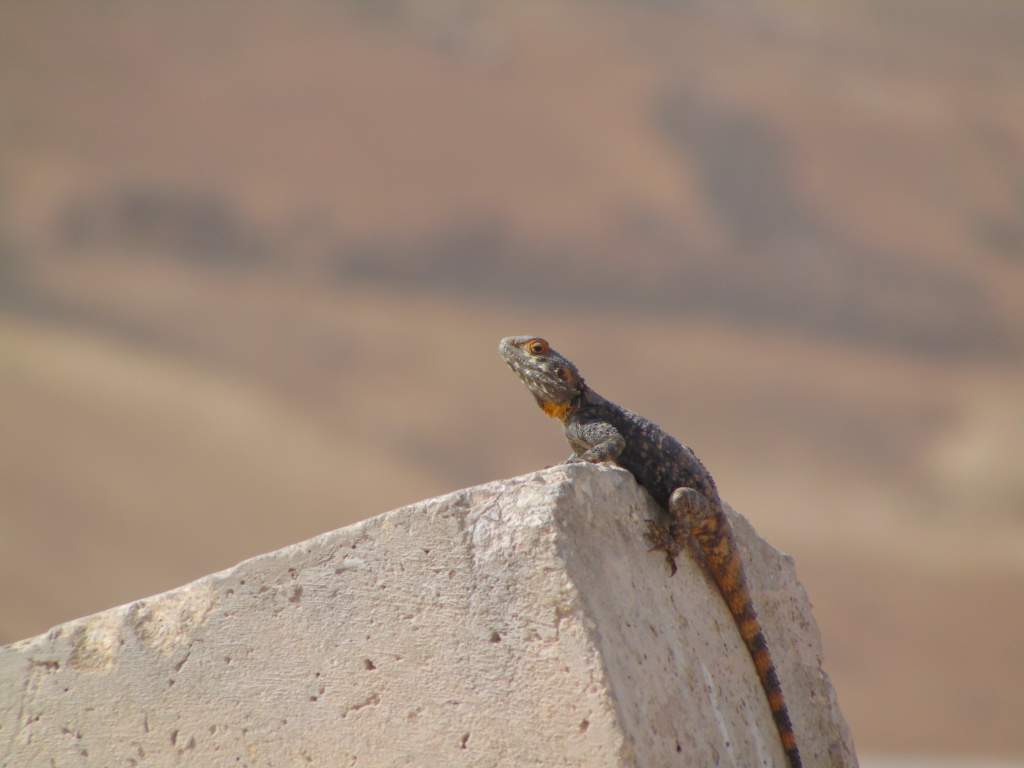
(255, 259)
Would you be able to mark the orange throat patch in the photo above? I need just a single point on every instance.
(558, 411)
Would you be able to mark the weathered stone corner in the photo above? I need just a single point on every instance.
(516, 623)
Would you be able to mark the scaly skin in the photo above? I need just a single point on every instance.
(599, 430)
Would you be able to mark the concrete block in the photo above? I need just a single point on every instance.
(517, 623)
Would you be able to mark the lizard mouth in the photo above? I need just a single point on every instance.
(507, 346)
(512, 354)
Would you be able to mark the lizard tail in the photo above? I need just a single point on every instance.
(723, 561)
(753, 636)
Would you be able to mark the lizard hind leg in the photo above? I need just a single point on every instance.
(697, 520)
(688, 511)
(703, 526)
(690, 508)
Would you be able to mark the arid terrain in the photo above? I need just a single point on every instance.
(255, 260)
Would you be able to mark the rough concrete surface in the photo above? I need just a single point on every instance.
(518, 623)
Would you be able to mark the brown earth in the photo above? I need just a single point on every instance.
(254, 263)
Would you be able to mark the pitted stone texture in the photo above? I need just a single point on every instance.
(516, 623)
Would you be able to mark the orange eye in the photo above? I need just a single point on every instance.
(538, 347)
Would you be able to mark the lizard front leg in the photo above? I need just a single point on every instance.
(594, 441)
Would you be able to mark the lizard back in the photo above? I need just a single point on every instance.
(658, 461)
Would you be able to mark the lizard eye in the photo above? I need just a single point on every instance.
(538, 347)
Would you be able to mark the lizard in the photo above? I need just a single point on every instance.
(599, 430)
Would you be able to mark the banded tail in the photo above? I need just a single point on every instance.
(742, 610)
(713, 534)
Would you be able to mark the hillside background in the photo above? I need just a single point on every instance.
(255, 259)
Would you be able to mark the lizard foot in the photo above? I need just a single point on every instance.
(663, 538)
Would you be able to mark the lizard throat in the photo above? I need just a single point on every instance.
(558, 411)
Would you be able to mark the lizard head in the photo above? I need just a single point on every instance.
(552, 380)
